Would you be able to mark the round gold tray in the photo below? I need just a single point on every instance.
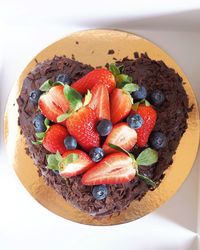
(91, 47)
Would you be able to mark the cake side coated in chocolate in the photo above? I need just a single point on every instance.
(171, 120)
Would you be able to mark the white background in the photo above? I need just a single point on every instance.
(26, 27)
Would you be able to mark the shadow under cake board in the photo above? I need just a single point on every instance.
(92, 48)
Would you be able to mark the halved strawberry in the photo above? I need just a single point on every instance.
(120, 105)
(77, 167)
(53, 103)
(94, 77)
(54, 139)
(121, 135)
(149, 117)
(82, 125)
(100, 101)
(113, 169)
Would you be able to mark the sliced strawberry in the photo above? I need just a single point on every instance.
(94, 77)
(54, 139)
(77, 167)
(120, 105)
(121, 135)
(113, 169)
(100, 101)
(82, 125)
(53, 103)
(149, 117)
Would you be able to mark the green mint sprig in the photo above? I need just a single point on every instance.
(57, 162)
(146, 158)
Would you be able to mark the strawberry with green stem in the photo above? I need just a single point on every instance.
(120, 167)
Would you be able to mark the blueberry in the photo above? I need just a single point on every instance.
(34, 96)
(70, 142)
(96, 154)
(38, 123)
(157, 140)
(104, 127)
(100, 192)
(140, 94)
(135, 121)
(157, 97)
(63, 78)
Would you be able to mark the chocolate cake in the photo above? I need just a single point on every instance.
(171, 120)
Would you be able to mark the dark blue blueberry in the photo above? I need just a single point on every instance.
(134, 121)
(70, 142)
(100, 192)
(38, 123)
(157, 140)
(34, 96)
(157, 97)
(140, 94)
(63, 78)
(104, 127)
(96, 154)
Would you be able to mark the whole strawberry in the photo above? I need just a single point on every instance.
(97, 76)
(149, 117)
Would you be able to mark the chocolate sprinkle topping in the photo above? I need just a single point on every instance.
(172, 121)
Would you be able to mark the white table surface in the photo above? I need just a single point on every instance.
(26, 28)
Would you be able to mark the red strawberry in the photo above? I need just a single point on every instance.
(77, 167)
(53, 103)
(94, 77)
(100, 101)
(113, 169)
(149, 116)
(120, 105)
(82, 125)
(121, 135)
(54, 139)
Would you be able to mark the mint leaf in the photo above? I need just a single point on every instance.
(40, 135)
(73, 97)
(147, 180)
(88, 98)
(121, 150)
(63, 117)
(130, 87)
(114, 69)
(46, 86)
(147, 157)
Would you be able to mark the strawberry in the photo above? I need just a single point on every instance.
(53, 103)
(82, 125)
(149, 116)
(120, 105)
(100, 101)
(121, 135)
(54, 139)
(94, 77)
(78, 166)
(113, 169)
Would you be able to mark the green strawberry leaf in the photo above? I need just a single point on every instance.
(63, 117)
(67, 160)
(147, 157)
(120, 149)
(46, 86)
(58, 156)
(147, 180)
(73, 97)
(130, 87)
(122, 78)
(58, 83)
(135, 106)
(114, 69)
(46, 123)
(147, 103)
(40, 135)
(38, 142)
(88, 98)
(52, 162)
